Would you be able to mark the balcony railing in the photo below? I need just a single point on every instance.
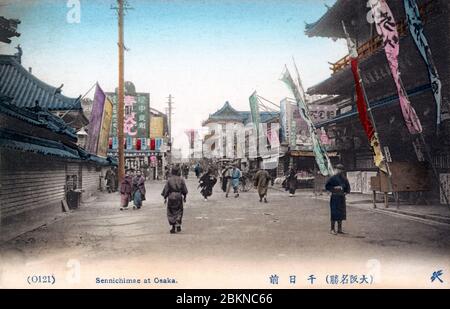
(374, 44)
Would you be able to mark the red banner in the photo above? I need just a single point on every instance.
(361, 101)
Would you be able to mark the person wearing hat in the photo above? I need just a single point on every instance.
(339, 186)
(174, 193)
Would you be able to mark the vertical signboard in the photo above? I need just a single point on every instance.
(136, 116)
(103, 140)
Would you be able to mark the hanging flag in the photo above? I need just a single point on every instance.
(115, 143)
(416, 29)
(361, 105)
(129, 142)
(293, 133)
(138, 144)
(191, 137)
(387, 29)
(152, 144)
(283, 120)
(254, 108)
(99, 123)
(322, 159)
(158, 144)
(144, 143)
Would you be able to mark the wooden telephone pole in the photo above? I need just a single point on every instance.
(120, 109)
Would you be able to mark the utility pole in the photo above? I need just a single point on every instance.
(120, 109)
(170, 127)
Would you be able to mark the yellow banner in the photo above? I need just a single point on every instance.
(378, 157)
(156, 127)
(103, 139)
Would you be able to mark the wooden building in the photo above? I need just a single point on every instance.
(41, 168)
(26, 90)
(227, 115)
(345, 129)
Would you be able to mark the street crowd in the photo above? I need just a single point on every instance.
(132, 188)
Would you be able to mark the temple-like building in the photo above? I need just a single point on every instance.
(8, 29)
(228, 115)
(345, 129)
(25, 90)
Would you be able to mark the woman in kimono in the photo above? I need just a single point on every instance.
(207, 182)
(262, 179)
(174, 194)
(338, 186)
(126, 189)
(138, 190)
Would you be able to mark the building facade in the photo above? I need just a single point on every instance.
(145, 131)
(345, 129)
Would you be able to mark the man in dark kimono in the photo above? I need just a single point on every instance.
(338, 186)
(207, 183)
(174, 194)
(186, 171)
(262, 179)
(110, 180)
(138, 190)
(291, 182)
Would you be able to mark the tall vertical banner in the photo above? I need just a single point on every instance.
(100, 123)
(293, 133)
(254, 108)
(103, 140)
(416, 29)
(361, 105)
(95, 122)
(191, 134)
(387, 29)
(322, 159)
(283, 120)
(156, 127)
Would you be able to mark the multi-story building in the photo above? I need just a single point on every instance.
(235, 150)
(145, 131)
(346, 130)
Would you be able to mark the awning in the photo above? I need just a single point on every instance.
(43, 150)
(270, 163)
(303, 153)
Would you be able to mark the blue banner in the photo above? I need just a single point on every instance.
(416, 29)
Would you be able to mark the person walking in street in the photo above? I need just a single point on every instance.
(198, 170)
(235, 176)
(207, 183)
(339, 186)
(126, 189)
(291, 182)
(174, 193)
(110, 180)
(166, 172)
(185, 171)
(138, 190)
(262, 180)
(224, 176)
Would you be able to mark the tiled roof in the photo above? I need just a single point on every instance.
(228, 113)
(20, 142)
(38, 117)
(25, 89)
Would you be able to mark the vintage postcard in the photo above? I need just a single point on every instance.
(224, 144)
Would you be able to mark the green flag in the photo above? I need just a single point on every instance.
(322, 159)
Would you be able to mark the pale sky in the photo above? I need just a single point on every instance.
(203, 52)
